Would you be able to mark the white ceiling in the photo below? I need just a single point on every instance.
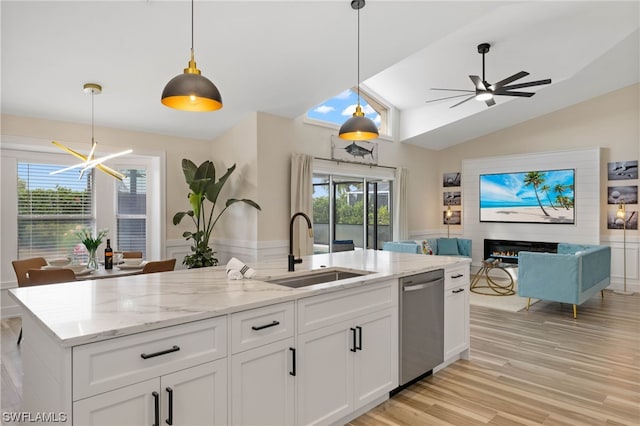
(283, 57)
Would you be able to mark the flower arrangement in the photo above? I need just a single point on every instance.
(91, 243)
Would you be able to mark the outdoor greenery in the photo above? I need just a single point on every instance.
(347, 214)
(204, 187)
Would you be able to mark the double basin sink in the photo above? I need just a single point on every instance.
(317, 277)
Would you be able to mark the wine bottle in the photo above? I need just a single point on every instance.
(108, 256)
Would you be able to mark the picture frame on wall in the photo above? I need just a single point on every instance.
(451, 179)
(614, 222)
(455, 219)
(452, 198)
(622, 170)
(627, 194)
(362, 152)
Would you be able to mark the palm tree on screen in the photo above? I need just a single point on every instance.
(561, 199)
(546, 188)
(535, 179)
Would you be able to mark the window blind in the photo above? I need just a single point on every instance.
(131, 211)
(51, 208)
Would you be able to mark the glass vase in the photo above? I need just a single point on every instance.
(92, 260)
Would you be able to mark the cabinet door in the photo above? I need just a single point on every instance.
(456, 321)
(195, 396)
(325, 378)
(131, 405)
(376, 360)
(262, 385)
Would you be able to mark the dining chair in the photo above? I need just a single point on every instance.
(21, 267)
(131, 254)
(159, 266)
(51, 276)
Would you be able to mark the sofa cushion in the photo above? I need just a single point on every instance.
(448, 246)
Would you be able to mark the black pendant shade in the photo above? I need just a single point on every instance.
(191, 92)
(358, 127)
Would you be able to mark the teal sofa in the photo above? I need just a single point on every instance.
(572, 275)
(437, 246)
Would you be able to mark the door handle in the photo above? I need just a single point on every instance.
(359, 337)
(169, 420)
(458, 290)
(262, 327)
(293, 361)
(156, 408)
(353, 333)
(414, 287)
(175, 348)
(457, 276)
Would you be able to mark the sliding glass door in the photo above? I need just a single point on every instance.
(347, 208)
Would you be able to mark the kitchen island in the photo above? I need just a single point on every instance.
(140, 349)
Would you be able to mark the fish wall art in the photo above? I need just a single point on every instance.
(363, 152)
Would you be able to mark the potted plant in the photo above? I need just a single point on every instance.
(204, 187)
(91, 243)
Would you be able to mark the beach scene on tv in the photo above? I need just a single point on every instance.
(528, 197)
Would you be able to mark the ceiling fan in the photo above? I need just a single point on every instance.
(485, 91)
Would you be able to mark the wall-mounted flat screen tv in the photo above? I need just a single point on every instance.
(540, 196)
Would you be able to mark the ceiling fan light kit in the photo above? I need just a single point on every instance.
(486, 92)
(358, 127)
(191, 91)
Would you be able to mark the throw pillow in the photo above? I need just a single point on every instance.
(426, 247)
(448, 246)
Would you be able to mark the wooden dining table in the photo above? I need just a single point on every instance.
(102, 273)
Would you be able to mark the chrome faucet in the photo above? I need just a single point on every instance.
(292, 259)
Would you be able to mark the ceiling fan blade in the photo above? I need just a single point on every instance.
(520, 94)
(477, 81)
(490, 102)
(508, 80)
(442, 99)
(454, 90)
(463, 101)
(529, 84)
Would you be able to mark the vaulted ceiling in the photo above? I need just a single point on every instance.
(283, 57)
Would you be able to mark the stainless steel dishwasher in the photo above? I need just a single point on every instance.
(421, 324)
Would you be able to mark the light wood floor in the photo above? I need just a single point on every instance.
(540, 367)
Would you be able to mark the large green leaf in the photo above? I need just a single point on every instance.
(252, 203)
(213, 191)
(189, 169)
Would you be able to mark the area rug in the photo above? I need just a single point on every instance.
(513, 303)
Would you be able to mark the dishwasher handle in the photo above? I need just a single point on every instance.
(420, 286)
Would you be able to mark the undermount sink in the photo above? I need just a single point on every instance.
(317, 277)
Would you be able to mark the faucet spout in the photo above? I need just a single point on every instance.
(291, 259)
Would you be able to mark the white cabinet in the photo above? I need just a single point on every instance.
(194, 396)
(456, 313)
(347, 364)
(175, 375)
(263, 366)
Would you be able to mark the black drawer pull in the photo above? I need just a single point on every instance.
(458, 290)
(355, 345)
(156, 408)
(166, 351)
(262, 327)
(359, 337)
(457, 276)
(169, 419)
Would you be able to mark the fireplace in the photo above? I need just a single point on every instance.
(507, 250)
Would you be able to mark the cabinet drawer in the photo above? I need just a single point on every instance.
(456, 276)
(257, 327)
(106, 365)
(319, 311)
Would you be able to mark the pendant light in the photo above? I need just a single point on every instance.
(89, 162)
(358, 127)
(191, 91)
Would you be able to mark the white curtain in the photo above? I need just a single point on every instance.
(302, 201)
(400, 221)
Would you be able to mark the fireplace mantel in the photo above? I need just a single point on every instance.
(507, 250)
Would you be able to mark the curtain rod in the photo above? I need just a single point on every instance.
(354, 162)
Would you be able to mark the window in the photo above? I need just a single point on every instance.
(51, 210)
(339, 108)
(131, 211)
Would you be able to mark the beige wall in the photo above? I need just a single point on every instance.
(611, 121)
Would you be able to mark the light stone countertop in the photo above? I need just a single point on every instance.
(93, 310)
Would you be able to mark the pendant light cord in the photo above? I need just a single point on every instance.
(359, 56)
(191, 25)
(93, 92)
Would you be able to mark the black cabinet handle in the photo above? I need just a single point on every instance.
(293, 361)
(458, 290)
(170, 417)
(457, 276)
(156, 404)
(359, 337)
(166, 351)
(353, 333)
(262, 327)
